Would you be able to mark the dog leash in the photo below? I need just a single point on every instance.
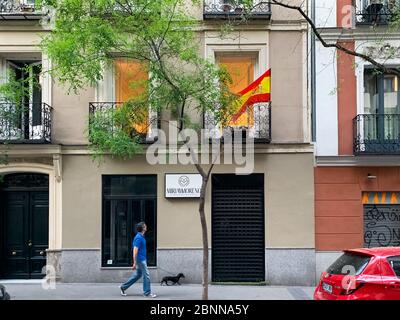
(170, 273)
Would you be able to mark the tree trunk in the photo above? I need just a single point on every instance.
(204, 235)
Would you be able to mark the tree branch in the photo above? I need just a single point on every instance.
(336, 45)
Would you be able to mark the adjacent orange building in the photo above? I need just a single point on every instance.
(357, 122)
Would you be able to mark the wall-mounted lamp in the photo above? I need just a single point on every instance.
(371, 177)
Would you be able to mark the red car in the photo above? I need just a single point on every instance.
(362, 274)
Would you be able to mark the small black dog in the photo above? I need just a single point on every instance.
(175, 279)
(3, 293)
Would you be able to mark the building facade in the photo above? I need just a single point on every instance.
(61, 208)
(357, 130)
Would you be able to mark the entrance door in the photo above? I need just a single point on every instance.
(24, 233)
(238, 245)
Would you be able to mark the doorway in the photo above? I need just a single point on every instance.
(238, 231)
(24, 222)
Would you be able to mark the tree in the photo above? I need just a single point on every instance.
(87, 37)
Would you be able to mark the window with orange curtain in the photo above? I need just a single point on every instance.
(131, 78)
(241, 69)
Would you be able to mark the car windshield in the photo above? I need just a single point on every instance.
(349, 263)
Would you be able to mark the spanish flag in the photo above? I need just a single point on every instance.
(257, 92)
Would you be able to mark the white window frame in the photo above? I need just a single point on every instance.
(6, 65)
(261, 65)
(105, 92)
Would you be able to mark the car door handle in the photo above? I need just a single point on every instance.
(395, 285)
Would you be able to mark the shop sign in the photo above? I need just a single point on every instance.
(182, 185)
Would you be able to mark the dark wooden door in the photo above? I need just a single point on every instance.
(25, 233)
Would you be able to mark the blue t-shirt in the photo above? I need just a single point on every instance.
(140, 242)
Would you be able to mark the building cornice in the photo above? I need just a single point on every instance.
(260, 26)
(30, 151)
(34, 151)
(358, 161)
(359, 33)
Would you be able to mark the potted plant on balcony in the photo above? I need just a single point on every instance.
(26, 7)
(238, 10)
(228, 5)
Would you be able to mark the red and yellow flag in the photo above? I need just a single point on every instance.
(257, 92)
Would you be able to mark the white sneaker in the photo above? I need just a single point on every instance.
(150, 295)
(122, 292)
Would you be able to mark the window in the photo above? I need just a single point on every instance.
(340, 266)
(381, 107)
(249, 118)
(241, 69)
(128, 200)
(381, 93)
(395, 264)
(375, 11)
(25, 105)
(128, 80)
(131, 79)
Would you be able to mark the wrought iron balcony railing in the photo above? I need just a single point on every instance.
(375, 12)
(376, 134)
(222, 9)
(104, 112)
(20, 9)
(259, 130)
(26, 123)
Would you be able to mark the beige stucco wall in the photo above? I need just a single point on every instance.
(20, 38)
(70, 114)
(288, 64)
(282, 14)
(289, 206)
(286, 58)
(289, 101)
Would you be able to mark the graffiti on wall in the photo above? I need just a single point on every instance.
(381, 226)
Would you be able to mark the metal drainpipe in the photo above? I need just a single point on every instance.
(313, 78)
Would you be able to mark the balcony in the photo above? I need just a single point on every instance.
(369, 12)
(20, 10)
(259, 130)
(27, 124)
(233, 9)
(377, 134)
(147, 133)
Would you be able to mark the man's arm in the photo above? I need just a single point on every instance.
(135, 253)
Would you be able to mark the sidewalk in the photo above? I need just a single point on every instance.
(33, 290)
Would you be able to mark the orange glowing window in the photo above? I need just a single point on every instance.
(131, 79)
(241, 69)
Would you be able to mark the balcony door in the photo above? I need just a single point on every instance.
(128, 80)
(35, 100)
(382, 111)
(25, 107)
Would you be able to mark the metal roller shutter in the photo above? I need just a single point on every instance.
(238, 249)
(381, 225)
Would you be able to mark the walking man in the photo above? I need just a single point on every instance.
(139, 263)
